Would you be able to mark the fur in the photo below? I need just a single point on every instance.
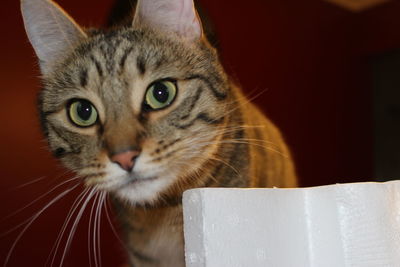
(209, 136)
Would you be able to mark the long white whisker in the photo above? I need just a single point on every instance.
(71, 212)
(231, 106)
(94, 234)
(241, 101)
(108, 205)
(34, 219)
(74, 226)
(90, 232)
(185, 163)
(222, 161)
(228, 130)
(201, 144)
(29, 183)
(224, 130)
(101, 204)
(37, 180)
(33, 202)
(258, 145)
(211, 158)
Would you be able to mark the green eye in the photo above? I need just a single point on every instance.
(160, 94)
(82, 113)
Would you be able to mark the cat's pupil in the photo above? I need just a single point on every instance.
(160, 92)
(84, 110)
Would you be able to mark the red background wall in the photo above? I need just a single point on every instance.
(310, 56)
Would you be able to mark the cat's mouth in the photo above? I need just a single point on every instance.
(101, 181)
(139, 189)
(134, 180)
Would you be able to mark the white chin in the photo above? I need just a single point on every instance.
(143, 191)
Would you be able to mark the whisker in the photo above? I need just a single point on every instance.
(33, 202)
(258, 145)
(90, 232)
(95, 226)
(201, 144)
(249, 96)
(101, 204)
(196, 172)
(227, 130)
(216, 159)
(239, 102)
(33, 220)
(75, 224)
(62, 175)
(72, 210)
(108, 206)
(226, 163)
(29, 183)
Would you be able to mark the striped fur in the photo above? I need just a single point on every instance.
(210, 136)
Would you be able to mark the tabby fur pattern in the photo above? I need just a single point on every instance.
(210, 135)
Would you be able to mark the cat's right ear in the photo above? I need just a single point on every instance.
(177, 16)
(50, 30)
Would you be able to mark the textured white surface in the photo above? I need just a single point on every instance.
(337, 225)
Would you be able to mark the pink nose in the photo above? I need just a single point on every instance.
(126, 160)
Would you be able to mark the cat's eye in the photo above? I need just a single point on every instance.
(82, 113)
(160, 94)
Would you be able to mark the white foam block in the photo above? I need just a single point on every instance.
(337, 225)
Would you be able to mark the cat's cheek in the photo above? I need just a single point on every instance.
(111, 178)
(145, 167)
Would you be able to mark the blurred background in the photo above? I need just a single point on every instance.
(330, 72)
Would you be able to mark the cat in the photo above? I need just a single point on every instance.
(145, 112)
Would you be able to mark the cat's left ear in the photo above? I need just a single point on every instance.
(177, 16)
(50, 30)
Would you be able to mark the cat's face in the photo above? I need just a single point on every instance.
(134, 111)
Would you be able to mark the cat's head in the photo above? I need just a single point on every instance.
(136, 111)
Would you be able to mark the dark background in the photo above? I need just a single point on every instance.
(321, 68)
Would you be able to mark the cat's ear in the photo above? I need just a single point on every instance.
(50, 30)
(177, 16)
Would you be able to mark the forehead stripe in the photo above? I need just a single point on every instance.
(140, 64)
(98, 66)
(219, 95)
(124, 56)
(83, 77)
